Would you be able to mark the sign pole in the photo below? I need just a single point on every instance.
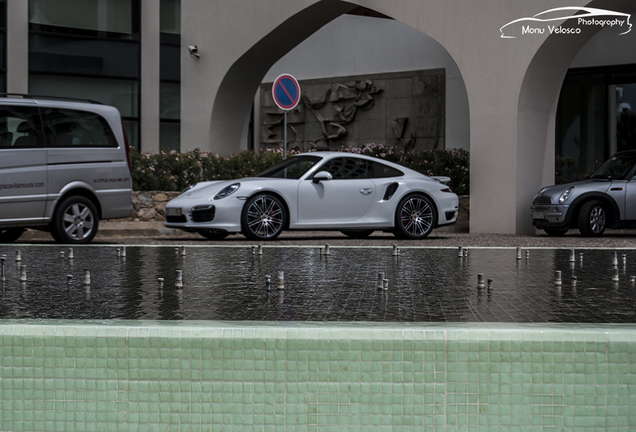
(286, 94)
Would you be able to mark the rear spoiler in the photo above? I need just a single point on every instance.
(441, 179)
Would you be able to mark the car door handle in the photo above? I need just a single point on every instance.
(366, 191)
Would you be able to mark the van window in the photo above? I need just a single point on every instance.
(71, 128)
(20, 127)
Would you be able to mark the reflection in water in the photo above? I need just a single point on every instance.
(229, 284)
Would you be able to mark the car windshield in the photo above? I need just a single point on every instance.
(292, 168)
(616, 167)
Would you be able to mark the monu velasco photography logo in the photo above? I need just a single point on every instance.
(568, 20)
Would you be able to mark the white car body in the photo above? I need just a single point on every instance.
(350, 204)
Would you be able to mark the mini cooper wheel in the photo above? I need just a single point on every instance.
(263, 217)
(415, 217)
(75, 221)
(9, 235)
(592, 219)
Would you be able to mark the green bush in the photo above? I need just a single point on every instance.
(175, 171)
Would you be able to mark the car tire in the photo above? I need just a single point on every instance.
(415, 217)
(75, 221)
(263, 218)
(9, 235)
(592, 219)
(213, 234)
(555, 232)
(357, 234)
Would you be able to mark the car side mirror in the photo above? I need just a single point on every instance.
(322, 176)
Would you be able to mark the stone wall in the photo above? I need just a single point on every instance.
(151, 206)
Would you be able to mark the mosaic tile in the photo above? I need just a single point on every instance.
(78, 375)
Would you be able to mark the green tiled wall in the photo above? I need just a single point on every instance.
(246, 376)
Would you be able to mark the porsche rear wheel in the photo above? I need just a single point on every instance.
(263, 218)
(415, 217)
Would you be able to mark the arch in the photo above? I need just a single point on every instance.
(536, 112)
(241, 81)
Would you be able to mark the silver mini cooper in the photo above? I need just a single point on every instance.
(606, 200)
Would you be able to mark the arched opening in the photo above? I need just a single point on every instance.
(236, 93)
(233, 102)
(537, 108)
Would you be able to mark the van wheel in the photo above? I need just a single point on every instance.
(9, 235)
(75, 221)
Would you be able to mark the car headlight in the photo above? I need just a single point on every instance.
(227, 191)
(565, 195)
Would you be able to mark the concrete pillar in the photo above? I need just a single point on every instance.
(17, 46)
(150, 68)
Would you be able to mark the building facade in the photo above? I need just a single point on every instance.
(195, 74)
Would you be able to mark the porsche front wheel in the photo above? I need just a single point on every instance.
(263, 218)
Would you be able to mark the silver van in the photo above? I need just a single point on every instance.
(64, 165)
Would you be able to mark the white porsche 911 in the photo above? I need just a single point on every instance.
(346, 192)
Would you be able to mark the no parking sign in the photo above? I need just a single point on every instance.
(286, 93)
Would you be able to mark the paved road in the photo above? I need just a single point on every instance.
(154, 233)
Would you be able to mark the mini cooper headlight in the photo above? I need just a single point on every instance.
(227, 191)
(565, 195)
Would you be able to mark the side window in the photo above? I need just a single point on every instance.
(379, 170)
(345, 168)
(71, 128)
(20, 127)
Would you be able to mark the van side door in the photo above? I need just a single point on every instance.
(83, 152)
(23, 166)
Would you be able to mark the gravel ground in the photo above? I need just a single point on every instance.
(154, 233)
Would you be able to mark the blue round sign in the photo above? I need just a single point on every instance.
(286, 92)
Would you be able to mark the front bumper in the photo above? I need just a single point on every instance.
(192, 215)
(549, 216)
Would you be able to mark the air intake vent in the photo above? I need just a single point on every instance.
(203, 213)
(390, 190)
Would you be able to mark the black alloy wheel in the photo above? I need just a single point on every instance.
(263, 218)
(415, 217)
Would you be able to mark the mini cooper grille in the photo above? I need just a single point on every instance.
(203, 213)
(542, 200)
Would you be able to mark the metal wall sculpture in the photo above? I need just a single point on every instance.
(405, 109)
